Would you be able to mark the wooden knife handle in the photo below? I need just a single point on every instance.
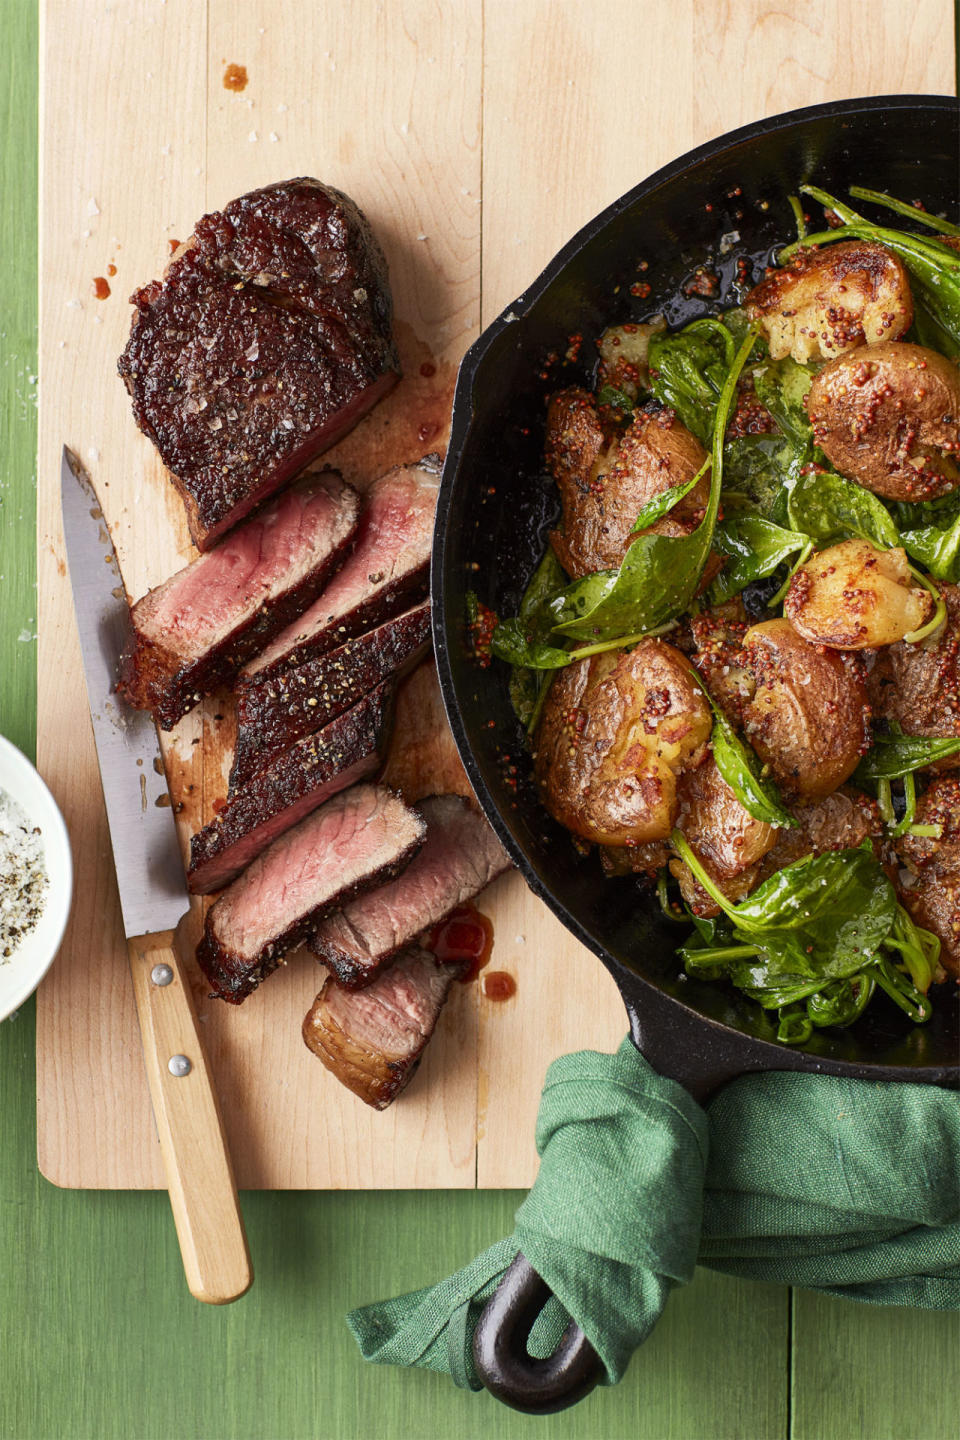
(203, 1192)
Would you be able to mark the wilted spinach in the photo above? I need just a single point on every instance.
(890, 757)
(828, 508)
(753, 548)
(935, 547)
(741, 768)
(687, 372)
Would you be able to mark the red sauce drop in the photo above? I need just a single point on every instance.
(174, 246)
(235, 77)
(426, 369)
(100, 287)
(464, 935)
(498, 985)
(111, 268)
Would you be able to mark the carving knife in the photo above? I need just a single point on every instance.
(153, 900)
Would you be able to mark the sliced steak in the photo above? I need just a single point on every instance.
(460, 856)
(193, 632)
(266, 341)
(274, 712)
(295, 782)
(372, 1039)
(388, 571)
(361, 838)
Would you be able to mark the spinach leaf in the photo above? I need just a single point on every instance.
(740, 767)
(827, 507)
(753, 547)
(616, 399)
(524, 641)
(512, 642)
(660, 573)
(782, 386)
(893, 756)
(937, 549)
(762, 468)
(902, 207)
(687, 371)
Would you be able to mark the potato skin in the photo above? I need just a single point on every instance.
(827, 302)
(807, 718)
(616, 732)
(841, 821)
(889, 417)
(852, 596)
(726, 839)
(603, 486)
(918, 686)
(932, 893)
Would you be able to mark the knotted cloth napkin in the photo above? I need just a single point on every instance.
(847, 1186)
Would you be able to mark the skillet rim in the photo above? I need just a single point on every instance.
(744, 1051)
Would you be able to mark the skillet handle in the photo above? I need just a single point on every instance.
(501, 1359)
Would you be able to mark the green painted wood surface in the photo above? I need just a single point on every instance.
(98, 1336)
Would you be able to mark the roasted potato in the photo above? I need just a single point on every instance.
(932, 892)
(889, 418)
(726, 839)
(623, 356)
(617, 731)
(604, 485)
(841, 821)
(854, 597)
(807, 717)
(829, 301)
(717, 654)
(918, 686)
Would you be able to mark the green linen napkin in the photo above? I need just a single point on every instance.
(846, 1186)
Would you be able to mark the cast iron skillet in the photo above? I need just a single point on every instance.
(495, 506)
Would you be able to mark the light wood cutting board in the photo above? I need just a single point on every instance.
(477, 139)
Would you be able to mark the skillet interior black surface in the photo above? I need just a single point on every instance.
(496, 504)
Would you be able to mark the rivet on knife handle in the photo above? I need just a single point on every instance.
(203, 1192)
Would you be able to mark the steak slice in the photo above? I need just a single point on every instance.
(388, 571)
(266, 341)
(460, 856)
(274, 712)
(195, 630)
(295, 782)
(360, 838)
(372, 1039)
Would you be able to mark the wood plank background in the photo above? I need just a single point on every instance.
(476, 139)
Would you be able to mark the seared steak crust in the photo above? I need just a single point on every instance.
(293, 784)
(388, 571)
(361, 838)
(460, 856)
(193, 632)
(372, 1040)
(267, 339)
(274, 712)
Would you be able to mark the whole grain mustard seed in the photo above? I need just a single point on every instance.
(23, 876)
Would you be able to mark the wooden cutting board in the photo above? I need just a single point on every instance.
(476, 140)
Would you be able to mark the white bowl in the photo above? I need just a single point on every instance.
(22, 972)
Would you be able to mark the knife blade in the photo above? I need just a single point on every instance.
(153, 900)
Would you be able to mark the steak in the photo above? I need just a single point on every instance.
(195, 630)
(372, 1039)
(274, 712)
(360, 838)
(388, 571)
(295, 782)
(460, 856)
(266, 341)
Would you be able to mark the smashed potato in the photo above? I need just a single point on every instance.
(623, 356)
(604, 485)
(889, 418)
(852, 596)
(829, 301)
(617, 731)
(932, 891)
(918, 686)
(726, 839)
(807, 717)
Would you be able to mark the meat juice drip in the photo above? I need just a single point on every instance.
(466, 934)
(101, 287)
(498, 985)
(235, 77)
